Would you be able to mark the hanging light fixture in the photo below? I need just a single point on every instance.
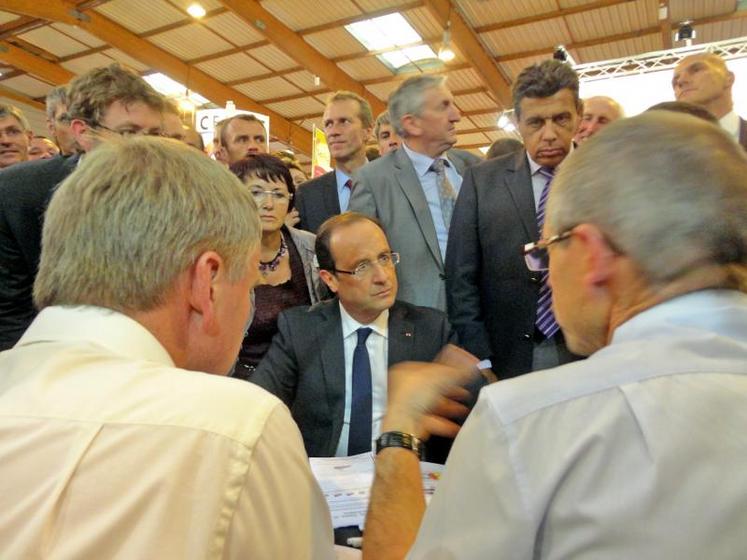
(445, 53)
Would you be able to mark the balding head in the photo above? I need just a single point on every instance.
(704, 79)
(598, 112)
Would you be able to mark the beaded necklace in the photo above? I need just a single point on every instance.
(272, 266)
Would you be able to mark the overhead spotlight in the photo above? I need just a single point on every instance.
(196, 11)
(685, 33)
(445, 53)
(317, 81)
(560, 54)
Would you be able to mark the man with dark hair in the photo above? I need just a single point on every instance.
(347, 123)
(501, 310)
(58, 123)
(329, 362)
(242, 135)
(104, 104)
(386, 137)
(412, 189)
(503, 146)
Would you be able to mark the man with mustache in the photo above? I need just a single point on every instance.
(501, 310)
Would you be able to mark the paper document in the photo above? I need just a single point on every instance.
(346, 484)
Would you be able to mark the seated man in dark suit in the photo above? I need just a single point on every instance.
(329, 362)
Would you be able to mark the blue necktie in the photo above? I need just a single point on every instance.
(359, 436)
(545, 322)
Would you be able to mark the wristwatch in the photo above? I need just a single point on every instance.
(400, 439)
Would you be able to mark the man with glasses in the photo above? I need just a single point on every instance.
(329, 362)
(58, 123)
(502, 311)
(640, 450)
(103, 104)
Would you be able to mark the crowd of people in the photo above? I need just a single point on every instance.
(364, 311)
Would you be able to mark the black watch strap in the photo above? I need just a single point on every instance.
(400, 439)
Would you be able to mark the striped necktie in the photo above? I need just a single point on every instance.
(545, 321)
(446, 193)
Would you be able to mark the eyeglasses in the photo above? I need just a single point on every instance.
(129, 132)
(275, 196)
(366, 268)
(536, 255)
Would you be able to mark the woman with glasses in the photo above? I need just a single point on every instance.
(286, 256)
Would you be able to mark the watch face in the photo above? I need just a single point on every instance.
(399, 439)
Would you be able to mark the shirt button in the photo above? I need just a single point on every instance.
(534, 278)
(526, 336)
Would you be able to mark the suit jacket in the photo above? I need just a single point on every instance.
(743, 133)
(316, 201)
(492, 295)
(305, 365)
(304, 242)
(25, 190)
(389, 189)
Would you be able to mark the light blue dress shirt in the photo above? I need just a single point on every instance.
(429, 182)
(343, 193)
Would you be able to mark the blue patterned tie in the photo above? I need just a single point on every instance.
(545, 322)
(447, 195)
(359, 436)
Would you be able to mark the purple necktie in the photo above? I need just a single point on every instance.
(545, 321)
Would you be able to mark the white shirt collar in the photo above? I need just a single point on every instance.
(380, 325)
(730, 123)
(114, 331)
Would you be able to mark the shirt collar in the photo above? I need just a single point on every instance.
(341, 178)
(380, 325)
(116, 332)
(421, 162)
(730, 123)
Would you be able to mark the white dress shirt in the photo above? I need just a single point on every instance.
(730, 123)
(638, 452)
(377, 345)
(429, 181)
(109, 451)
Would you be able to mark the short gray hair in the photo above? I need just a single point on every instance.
(57, 96)
(667, 189)
(132, 217)
(408, 98)
(381, 120)
(543, 80)
(16, 113)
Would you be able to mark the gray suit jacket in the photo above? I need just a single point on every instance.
(389, 189)
(304, 242)
(305, 365)
(317, 200)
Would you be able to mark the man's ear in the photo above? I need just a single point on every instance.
(206, 277)
(598, 255)
(329, 279)
(729, 79)
(411, 124)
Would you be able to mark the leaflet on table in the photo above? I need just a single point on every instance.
(346, 484)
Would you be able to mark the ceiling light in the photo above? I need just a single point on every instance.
(445, 53)
(196, 11)
(171, 88)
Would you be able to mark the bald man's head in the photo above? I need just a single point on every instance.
(598, 112)
(704, 79)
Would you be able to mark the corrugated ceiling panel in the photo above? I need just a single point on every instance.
(373, 5)
(273, 58)
(232, 67)
(613, 20)
(207, 4)
(140, 16)
(308, 124)
(619, 49)
(721, 31)
(474, 101)
(6, 17)
(127, 60)
(304, 80)
(234, 29)
(512, 68)
(296, 107)
(53, 41)
(77, 33)
(190, 41)
(300, 14)
(268, 88)
(365, 68)
(83, 64)
(526, 37)
(488, 119)
(382, 91)
(28, 86)
(424, 23)
(464, 124)
(574, 3)
(484, 12)
(692, 9)
(334, 42)
(463, 79)
(475, 138)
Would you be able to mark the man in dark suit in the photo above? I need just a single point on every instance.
(314, 362)
(347, 122)
(500, 309)
(96, 114)
(704, 79)
(412, 190)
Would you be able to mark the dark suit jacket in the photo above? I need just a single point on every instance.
(25, 190)
(305, 365)
(492, 296)
(316, 201)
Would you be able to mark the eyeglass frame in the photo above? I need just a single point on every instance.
(125, 134)
(542, 245)
(358, 274)
(275, 196)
